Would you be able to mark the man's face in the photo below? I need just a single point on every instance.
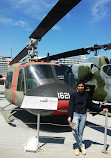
(80, 88)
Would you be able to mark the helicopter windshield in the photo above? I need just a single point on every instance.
(65, 73)
(35, 74)
(41, 74)
(107, 69)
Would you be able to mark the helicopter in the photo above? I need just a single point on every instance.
(97, 75)
(36, 78)
(94, 71)
(33, 78)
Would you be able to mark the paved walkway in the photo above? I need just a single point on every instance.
(56, 138)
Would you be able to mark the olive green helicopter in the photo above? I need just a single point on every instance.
(94, 71)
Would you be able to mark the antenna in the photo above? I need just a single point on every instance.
(96, 52)
(48, 57)
(11, 52)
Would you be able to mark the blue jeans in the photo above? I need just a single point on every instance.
(79, 120)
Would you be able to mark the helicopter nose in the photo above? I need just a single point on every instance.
(55, 89)
(58, 90)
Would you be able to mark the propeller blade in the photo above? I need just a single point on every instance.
(61, 8)
(103, 46)
(71, 53)
(21, 55)
(106, 46)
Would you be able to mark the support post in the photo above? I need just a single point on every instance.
(33, 143)
(38, 128)
(105, 133)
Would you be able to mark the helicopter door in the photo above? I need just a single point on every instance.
(20, 89)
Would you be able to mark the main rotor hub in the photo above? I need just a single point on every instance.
(32, 46)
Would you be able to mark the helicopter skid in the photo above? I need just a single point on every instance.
(7, 118)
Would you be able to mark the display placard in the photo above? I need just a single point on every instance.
(34, 102)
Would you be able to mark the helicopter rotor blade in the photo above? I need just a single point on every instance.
(61, 8)
(71, 53)
(21, 55)
(106, 46)
(97, 47)
(76, 52)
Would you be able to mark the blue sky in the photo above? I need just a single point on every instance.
(87, 24)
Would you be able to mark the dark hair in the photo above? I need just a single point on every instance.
(81, 82)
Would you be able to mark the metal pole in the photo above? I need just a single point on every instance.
(38, 127)
(105, 132)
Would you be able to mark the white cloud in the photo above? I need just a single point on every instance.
(12, 22)
(5, 20)
(24, 1)
(27, 9)
(20, 23)
(36, 9)
(56, 27)
(100, 10)
(24, 9)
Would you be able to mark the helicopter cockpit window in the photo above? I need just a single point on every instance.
(36, 73)
(8, 83)
(65, 73)
(107, 69)
(20, 83)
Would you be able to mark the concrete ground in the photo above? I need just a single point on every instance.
(56, 138)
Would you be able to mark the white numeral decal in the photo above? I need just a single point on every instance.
(63, 95)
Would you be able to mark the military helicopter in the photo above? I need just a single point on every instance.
(96, 73)
(37, 78)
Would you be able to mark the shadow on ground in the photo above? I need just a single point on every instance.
(47, 123)
(98, 127)
(49, 139)
(88, 143)
(52, 123)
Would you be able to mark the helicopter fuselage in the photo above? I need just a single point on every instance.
(39, 79)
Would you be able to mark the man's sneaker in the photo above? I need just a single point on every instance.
(77, 152)
(83, 150)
